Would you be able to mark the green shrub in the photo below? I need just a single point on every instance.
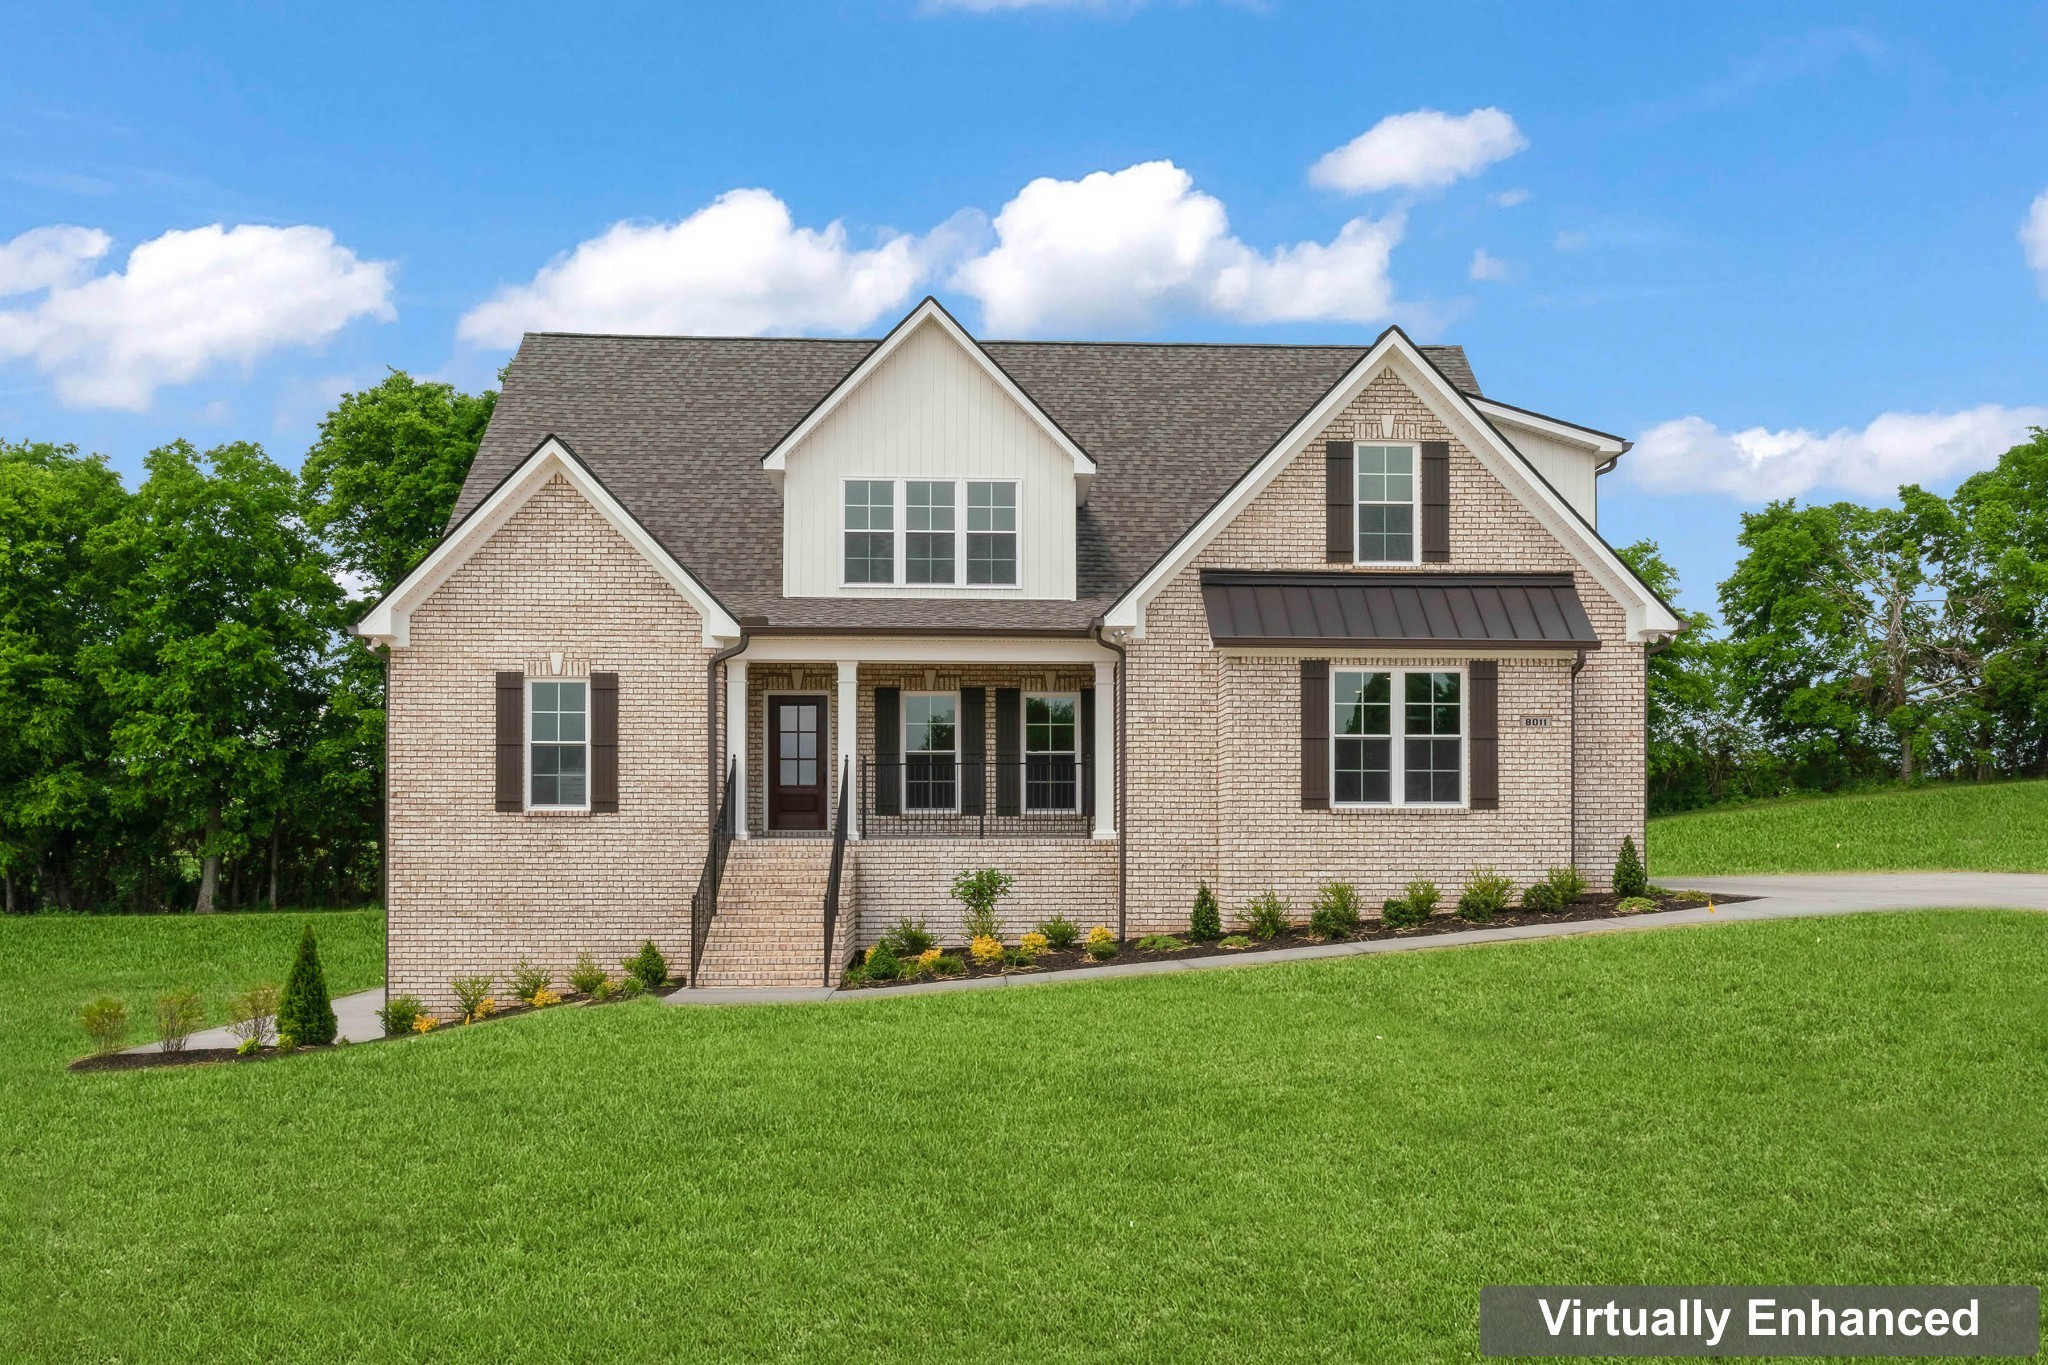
(1160, 943)
(1334, 912)
(978, 892)
(586, 976)
(1265, 915)
(910, 937)
(472, 996)
(105, 1022)
(1485, 895)
(398, 1014)
(1631, 878)
(1207, 921)
(947, 965)
(647, 966)
(252, 1018)
(1061, 932)
(1635, 905)
(1400, 914)
(1101, 943)
(1541, 897)
(305, 1015)
(528, 980)
(1424, 896)
(882, 963)
(178, 1015)
(1234, 941)
(632, 986)
(1567, 883)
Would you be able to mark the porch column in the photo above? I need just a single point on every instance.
(849, 730)
(1105, 751)
(736, 739)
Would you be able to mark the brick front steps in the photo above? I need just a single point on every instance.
(769, 930)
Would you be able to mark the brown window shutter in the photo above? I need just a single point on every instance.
(888, 751)
(1483, 706)
(973, 750)
(511, 741)
(1009, 750)
(604, 743)
(1340, 510)
(1436, 502)
(1086, 775)
(1315, 734)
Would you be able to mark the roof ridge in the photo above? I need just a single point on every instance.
(999, 341)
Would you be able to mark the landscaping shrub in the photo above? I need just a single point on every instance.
(400, 1014)
(928, 962)
(948, 966)
(528, 980)
(1567, 883)
(1234, 941)
(647, 966)
(1334, 911)
(978, 892)
(1032, 944)
(305, 1015)
(105, 1022)
(881, 963)
(1400, 914)
(1161, 943)
(586, 976)
(545, 996)
(426, 1023)
(472, 994)
(1485, 895)
(1101, 943)
(1631, 878)
(1265, 915)
(1423, 894)
(1207, 921)
(910, 938)
(178, 1015)
(986, 949)
(252, 1018)
(1061, 932)
(627, 988)
(1542, 897)
(1635, 905)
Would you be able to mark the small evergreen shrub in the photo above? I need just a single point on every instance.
(1265, 915)
(628, 987)
(399, 1013)
(1631, 878)
(1206, 922)
(1334, 913)
(1234, 941)
(1423, 894)
(882, 963)
(647, 966)
(1566, 883)
(978, 893)
(178, 1015)
(586, 976)
(1635, 905)
(947, 965)
(105, 1022)
(472, 993)
(1485, 895)
(910, 938)
(1541, 897)
(1160, 943)
(986, 949)
(1061, 932)
(1400, 914)
(252, 1018)
(1032, 944)
(1101, 943)
(305, 1015)
(528, 980)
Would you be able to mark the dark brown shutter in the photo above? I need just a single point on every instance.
(1436, 502)
(1315, 734)
(1086, 776)
(1340, 505)
(1483, 705)
(888, 754)
(511, 741)
(1009, 750)
(604, 743)
(973, 750)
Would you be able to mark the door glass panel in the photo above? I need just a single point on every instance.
(797, 725)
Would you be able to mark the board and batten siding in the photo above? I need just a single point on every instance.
(1567, 468)
(928, 412)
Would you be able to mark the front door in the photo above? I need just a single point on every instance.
(796, 768)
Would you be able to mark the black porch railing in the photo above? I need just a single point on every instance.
(939, 796)
(704, 904)
(832, 878)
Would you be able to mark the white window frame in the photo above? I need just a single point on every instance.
(1024, 751)
(1397, 736)
(899, 501)
(903, 748)
(1414, 503)
(527, 742)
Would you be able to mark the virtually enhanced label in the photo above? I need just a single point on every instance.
(1757, 1320)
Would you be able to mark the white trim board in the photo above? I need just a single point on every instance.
(924, 649)
(1648, 618)
(389, 622)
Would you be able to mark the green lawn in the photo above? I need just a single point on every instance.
(1322, 1161)
(1997, 827)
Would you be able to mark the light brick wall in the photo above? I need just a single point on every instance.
(472, 890)
(911, 879)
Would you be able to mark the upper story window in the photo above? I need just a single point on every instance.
(870, 531)
(992, 533)
(558, 745)
(1386, 503)
(1411, 754)
(937, 539)
(929, 523)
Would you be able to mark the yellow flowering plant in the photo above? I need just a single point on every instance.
(986, 949)
(1033, 943)
(425, 1023)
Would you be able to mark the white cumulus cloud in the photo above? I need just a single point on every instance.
(1487, 266)
(1692, 455)
(738, 266)
(1122, 249)
(2034, 238)
(1422, 150)
(188, 300)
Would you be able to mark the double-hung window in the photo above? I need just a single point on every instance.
(954, 532)
(1386, 503)
(558, 744)
(928, 525)
(992, 533)
(1051, 777)
(931, 748)
(1410, 753)
(870, 531)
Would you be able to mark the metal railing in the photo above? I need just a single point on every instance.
(704, 904)
(939, 796)
(832, 878)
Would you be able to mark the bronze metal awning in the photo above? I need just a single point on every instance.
(1415, 610)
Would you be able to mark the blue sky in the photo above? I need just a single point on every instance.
(1792, 250)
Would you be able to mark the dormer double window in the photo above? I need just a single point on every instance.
(924, 532)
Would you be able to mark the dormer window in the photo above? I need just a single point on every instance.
(929, 522)
(870, 531)
(992, 534)
(938, 543)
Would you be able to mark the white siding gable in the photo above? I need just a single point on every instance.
(930, 410)
(1567, 468)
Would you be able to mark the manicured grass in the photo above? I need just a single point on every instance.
(1996, 827)
(1315, 1161)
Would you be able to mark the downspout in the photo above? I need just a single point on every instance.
(712, 719)
(1578, 663)
(1123, 830)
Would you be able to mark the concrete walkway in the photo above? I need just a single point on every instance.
(1778, 897)
(355, 1017)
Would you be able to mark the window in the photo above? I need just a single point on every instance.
(870, 531)
(1386, 504)
(1427, 766)
(558, 745)
(930, 746)
(992, 533)
(1050, 768)
(928, 529)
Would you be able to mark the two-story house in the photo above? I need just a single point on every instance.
(716, 614)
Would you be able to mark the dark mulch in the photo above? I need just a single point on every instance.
(1591, 906)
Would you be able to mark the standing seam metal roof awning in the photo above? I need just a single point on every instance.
(1396, 610)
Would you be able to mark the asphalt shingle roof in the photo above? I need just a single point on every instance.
(676, 428)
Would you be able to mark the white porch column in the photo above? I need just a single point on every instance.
(736, 738)
(849, 730)
(1105, 751)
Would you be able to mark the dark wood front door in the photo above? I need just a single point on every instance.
(796, 763)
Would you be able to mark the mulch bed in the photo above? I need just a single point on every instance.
(1592, 906)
